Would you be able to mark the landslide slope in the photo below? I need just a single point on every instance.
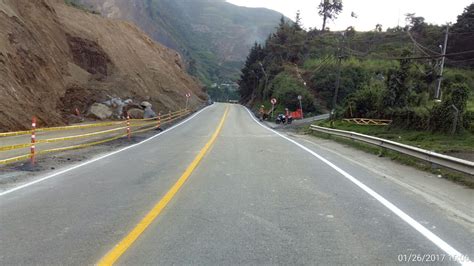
(55, 58)
(213, 35)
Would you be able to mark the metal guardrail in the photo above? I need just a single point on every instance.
(457, 164)
(125, 125)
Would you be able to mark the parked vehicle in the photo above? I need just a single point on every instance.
(282, 119)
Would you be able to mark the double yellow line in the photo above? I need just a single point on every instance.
(113, 255)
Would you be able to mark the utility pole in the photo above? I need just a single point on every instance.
(440, 76)
(338, 78)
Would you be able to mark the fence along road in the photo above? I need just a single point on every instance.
(15, 146)
(453, 163)
(254, 198)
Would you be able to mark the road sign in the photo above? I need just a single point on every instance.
(273, 101)
(188, 95)
(301, 105)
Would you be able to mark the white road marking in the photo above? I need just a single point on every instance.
(453, 253)
(6, 192)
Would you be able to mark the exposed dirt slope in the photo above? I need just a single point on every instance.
(213, 35)
(55, 58)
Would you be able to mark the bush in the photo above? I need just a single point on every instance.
(443, 114)
(417, 118)
(364, 103)
(286, 90)
(469, 121)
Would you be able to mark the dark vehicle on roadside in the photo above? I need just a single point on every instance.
(282, 119)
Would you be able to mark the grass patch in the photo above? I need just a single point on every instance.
(460, 178)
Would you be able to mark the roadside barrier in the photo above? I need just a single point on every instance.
(48, 129)
(128, 126)
(453, 163)
(33, 140)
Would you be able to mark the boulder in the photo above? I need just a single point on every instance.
(74, 119)
(146, 104)
(136, 113)
(149, 113)
(99, 111)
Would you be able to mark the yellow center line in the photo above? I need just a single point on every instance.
(113, 255)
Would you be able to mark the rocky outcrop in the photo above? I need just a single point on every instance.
(100, 111)
(55, 59)
(88, 55)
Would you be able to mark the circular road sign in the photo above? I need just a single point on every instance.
(273, 101)
(300, 97)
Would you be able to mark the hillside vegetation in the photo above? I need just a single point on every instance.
(391, 74)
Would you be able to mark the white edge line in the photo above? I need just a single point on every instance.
(98, 158)
(453, 253)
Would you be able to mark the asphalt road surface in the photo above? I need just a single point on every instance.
(251, 196)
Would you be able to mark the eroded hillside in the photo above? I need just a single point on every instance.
(213, 35)
(55, 58)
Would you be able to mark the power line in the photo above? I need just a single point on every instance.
(462, 33)
(324, 63)
(460, 61)
(418, 57)
(419, 46)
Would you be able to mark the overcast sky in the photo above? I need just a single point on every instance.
(370, 12)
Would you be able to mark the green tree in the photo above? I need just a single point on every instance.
(443, 116)
(461, 38)
(378, 27)
(286, 89)
(251, 73)
(415, 23)
(297, 25)
(398, 90)
(329, 9)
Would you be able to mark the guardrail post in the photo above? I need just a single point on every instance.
(33, 140)
(158, 125)
(129, 132)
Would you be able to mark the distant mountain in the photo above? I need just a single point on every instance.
(212, 35)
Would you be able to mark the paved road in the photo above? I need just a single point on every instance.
(255, 198)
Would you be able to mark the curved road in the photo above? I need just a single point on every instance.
(254, 198)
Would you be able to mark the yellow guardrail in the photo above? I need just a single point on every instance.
(101, 124)
(162, 120)
(15, 159)
(49, 129)
(162, 116)
(15, 147)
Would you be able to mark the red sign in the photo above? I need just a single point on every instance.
(273, 101)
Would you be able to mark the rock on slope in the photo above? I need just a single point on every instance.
(55, 58)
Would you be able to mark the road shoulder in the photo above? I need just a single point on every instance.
(455, 200)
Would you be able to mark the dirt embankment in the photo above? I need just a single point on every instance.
(55, 58)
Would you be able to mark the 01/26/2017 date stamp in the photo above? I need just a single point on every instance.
(413, 257)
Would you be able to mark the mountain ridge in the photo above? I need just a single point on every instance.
(214, 36)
